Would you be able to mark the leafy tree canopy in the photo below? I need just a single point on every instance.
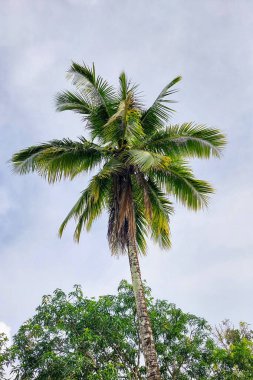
(75, 337)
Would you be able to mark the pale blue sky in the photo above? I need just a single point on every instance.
(209, 269)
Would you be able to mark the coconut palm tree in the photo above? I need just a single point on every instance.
(137, 161)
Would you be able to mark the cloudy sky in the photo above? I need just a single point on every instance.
(209, 269)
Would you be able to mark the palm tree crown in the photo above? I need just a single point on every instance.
(139, 160)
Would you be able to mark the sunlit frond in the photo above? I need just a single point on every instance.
(59, 159)
(188, 139)
(179, 181)
(146, 160)
(124, 125)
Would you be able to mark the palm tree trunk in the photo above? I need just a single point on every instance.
(146, 334)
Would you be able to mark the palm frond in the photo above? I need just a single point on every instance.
(124, 86)
(88, 207)
(58, 159)
(159, 112)
(179, 181)
(124, 125)
(133, 130)
(146, 160)
(69, 101)
(93, 200)
(161, 211)
(188, 139)
(153, 210)
(94, 87)
(142, 210)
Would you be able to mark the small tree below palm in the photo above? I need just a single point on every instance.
(140, 161)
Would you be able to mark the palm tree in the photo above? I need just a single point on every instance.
(139, 162)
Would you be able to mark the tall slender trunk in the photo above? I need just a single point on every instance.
(146, 335)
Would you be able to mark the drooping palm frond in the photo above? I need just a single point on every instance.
(179, 181)
(59, 159)
(141, 229)
(159, 112)
(93, 200)
(89, 206)
(141, 217)
(188, 139)
(161, 211)
(155, 211)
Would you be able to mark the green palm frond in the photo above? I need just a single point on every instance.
(89, 206)
(146, 160)
(69, 101)
(188, 139)
(133, 130)
(95, 88)
(142, 211)
(179, 181)
(93, 199)
(113, 129)
(159, 112)
(161, 211)
(59, 159)
(153, 210)
(124, 124)
(126, 88)
(141, 230)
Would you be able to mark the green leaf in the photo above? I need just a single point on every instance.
(59, 159)
(187, 140)
(146, 160)
(179, 181)
(96, 89)
(159, 112)
(93, 201)
(69, 101)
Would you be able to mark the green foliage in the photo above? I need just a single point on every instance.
(78, 338)
(138, 160)
(233, 356)
(3, 354)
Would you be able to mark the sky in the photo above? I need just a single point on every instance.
(208, 271)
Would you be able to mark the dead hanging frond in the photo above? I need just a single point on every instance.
(121, 226)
